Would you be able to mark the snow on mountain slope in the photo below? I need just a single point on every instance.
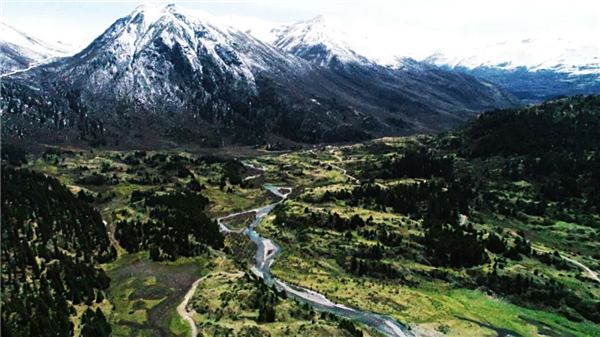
(322, 42)
(158, 55)
(171, 74)
(168, 73)
(319, 40)
(19, 51)
(532, 69)
(560, 55)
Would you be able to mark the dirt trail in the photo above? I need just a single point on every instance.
(590, 273)
(182, 307)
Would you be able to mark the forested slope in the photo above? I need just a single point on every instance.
(51, 244)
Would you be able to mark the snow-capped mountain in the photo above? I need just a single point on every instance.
(533, 69)
(20, 51)
(170, 75)
(158, 56)
(323, 43)
(318, 40)
(560, 55)
(157, 68)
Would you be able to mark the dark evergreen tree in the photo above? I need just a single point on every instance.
(43, 270)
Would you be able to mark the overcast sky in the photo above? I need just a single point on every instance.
(412, 28)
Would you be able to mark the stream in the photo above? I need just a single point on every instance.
(267, 251)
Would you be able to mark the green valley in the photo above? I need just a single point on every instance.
(489, 230)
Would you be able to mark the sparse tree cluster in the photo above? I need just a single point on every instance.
(319, 219)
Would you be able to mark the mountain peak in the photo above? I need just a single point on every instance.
(154, 8)
(150, 13)
(319, 40)
(173, 9)
(318, 20)
(157, 56)
(176, 74)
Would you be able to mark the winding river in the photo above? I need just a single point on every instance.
(267, 251)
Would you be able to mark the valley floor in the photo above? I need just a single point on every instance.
(229, 300)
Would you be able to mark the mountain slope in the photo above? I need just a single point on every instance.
(413, 89)
(154, 70)
(19, 51)
(165, 76)
(564, 125)
(532, 69)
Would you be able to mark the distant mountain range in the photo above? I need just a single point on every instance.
(167, 76)
(407, 82)
(532, 69)
(19, 51)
